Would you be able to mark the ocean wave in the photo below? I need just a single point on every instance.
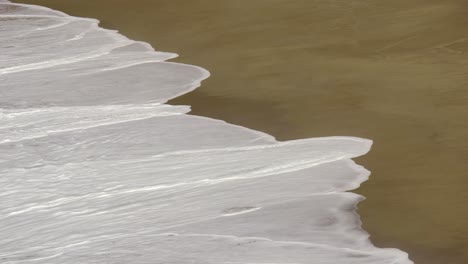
(96, 168)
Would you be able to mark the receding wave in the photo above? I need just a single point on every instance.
(96, 168)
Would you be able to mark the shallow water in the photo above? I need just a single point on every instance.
(394, 72)
(96, 167)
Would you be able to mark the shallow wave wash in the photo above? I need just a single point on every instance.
(96, 168)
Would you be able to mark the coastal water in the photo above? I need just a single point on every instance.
(394, 72)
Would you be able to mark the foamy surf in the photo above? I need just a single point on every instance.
(95, 168)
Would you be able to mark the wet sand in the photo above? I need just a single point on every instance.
(394, 72)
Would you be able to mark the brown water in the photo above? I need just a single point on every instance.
(393, 71)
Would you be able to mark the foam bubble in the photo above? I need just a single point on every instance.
(95, 168)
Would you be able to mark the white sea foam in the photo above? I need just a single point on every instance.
(95, 168)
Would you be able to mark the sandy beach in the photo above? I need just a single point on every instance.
(394, 72)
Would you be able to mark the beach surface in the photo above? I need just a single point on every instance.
(393, 72)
